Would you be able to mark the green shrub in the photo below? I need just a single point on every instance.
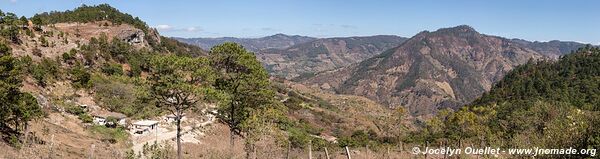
(298, 138)
(68, 57)
(14, 141)
(85, 118)
(43, 41)
(112, 69)
(45, 71)
(112, 135)
(75, 110)
(80, 77)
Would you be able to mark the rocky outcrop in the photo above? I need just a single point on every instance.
(132, 36)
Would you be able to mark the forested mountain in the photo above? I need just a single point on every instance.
(445, 68)
(538, 104)
(277, 41)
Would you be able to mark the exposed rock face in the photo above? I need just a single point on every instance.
(154, 36)
(432, 70)
(303, 60)
(131, 36)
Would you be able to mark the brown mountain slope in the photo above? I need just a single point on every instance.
(432, 70)
(303, 60)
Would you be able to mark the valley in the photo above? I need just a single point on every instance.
(97, 82)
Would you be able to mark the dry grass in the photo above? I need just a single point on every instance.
(62, 136)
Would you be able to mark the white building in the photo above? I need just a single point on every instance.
(101, 117)
(144, 126)
(172, 118)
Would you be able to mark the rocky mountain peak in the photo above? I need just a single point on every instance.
(430, 71)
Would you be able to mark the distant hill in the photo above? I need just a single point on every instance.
(445, 68)
(277, 41)
(304, 60)
(552, 48)
(300, 56)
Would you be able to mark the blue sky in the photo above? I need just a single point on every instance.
(572, 20)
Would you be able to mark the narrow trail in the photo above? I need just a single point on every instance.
(162, 137)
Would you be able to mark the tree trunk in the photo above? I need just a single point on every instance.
(251, 151)
(326, 153)
(287, 155)
(231, 142)
(367, 152)
(348, 153)
(26, 136)
(309, 149)
(178, 117)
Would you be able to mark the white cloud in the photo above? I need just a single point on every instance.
(164, 27)
(191, 29)
(13, 1)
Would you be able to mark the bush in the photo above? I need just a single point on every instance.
(80, 77)
(75, 110)
(85, 118)
(109, 134)
(298, 138)
(112, 69)
(14, 141)
(43, 41)
(359, 138)
(67, 57)
(44, 71)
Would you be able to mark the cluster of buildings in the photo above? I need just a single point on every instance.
(113, 119)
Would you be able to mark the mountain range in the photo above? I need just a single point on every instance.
(277, 41)
(446, 68)
(293, 56)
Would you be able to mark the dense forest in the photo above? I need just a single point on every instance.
(551, 104)
(85, 14)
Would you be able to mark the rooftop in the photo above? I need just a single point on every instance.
(106, 114)
(145, 122)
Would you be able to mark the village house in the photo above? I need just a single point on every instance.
(101, 118)
(172, 118)
(144, 126)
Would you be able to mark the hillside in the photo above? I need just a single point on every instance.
(553, 49)
(573, 79)
(67, 67)
(306, 59)
(277, 41)
(538, 104)
(432, 70)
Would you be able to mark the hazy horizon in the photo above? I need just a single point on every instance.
(529, 20)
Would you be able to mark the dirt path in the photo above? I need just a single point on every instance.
(161, 136)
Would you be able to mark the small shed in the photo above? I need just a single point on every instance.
(144, 126)
(101, 117)
(172, 118)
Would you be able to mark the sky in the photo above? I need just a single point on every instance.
(534, 20)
